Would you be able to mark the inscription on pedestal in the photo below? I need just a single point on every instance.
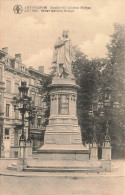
(63, 104)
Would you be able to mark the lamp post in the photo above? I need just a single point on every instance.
(92, 118)
(93, 146)
(107, 137)
(108, 104)
(24, 104)
(103, 108)
(24, 99)
(20, 103)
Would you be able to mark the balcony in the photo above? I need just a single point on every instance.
(17, 123)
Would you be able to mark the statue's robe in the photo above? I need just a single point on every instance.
(63, 55)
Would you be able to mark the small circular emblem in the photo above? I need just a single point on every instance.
(17, 9)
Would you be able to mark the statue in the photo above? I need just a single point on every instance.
(64, 56)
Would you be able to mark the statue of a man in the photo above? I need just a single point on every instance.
(64, 56)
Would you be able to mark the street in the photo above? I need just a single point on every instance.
(98, 185)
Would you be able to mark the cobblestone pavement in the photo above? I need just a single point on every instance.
(64, 184)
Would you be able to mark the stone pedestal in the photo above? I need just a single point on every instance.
(63, 140)
(22, 160)
(106, 152)
(94, 152)
(28, 151)
(106, 157)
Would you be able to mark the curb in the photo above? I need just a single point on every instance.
(84, 175)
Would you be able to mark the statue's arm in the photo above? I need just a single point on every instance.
(58, 43)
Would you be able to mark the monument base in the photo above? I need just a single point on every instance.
(63, 138)
(79, 153)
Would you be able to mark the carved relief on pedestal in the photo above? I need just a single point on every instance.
(72, 104)
(73, 97)
(63, 104)
(53, 97)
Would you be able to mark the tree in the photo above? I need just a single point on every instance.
(44, 91)
(88, 77)
(113, 76)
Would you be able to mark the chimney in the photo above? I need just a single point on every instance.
(41, 69)
(18, 57)
(5, 49)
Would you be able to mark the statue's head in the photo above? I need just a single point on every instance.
(65, 33)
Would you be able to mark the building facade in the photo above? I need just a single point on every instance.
(12, 72)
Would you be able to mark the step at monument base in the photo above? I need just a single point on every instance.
(64, 166)
(66, 169)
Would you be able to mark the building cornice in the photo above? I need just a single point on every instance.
(16, 71)
(33, 71)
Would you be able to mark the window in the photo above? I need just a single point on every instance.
(7, 134)
(17, 65)
(6, 131)
(16, 87)
(16, 138)
(7, 110)
(8, 86)
(39, 121)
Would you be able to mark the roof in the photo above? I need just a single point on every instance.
(9, 57)
(2, 53)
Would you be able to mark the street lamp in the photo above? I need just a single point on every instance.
(23, 104)
(93, 145)
(92, 118)
(24, 100)
(103, 108)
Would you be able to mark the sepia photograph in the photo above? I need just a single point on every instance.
(62, 97)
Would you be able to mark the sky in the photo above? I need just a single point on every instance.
(33, 34)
